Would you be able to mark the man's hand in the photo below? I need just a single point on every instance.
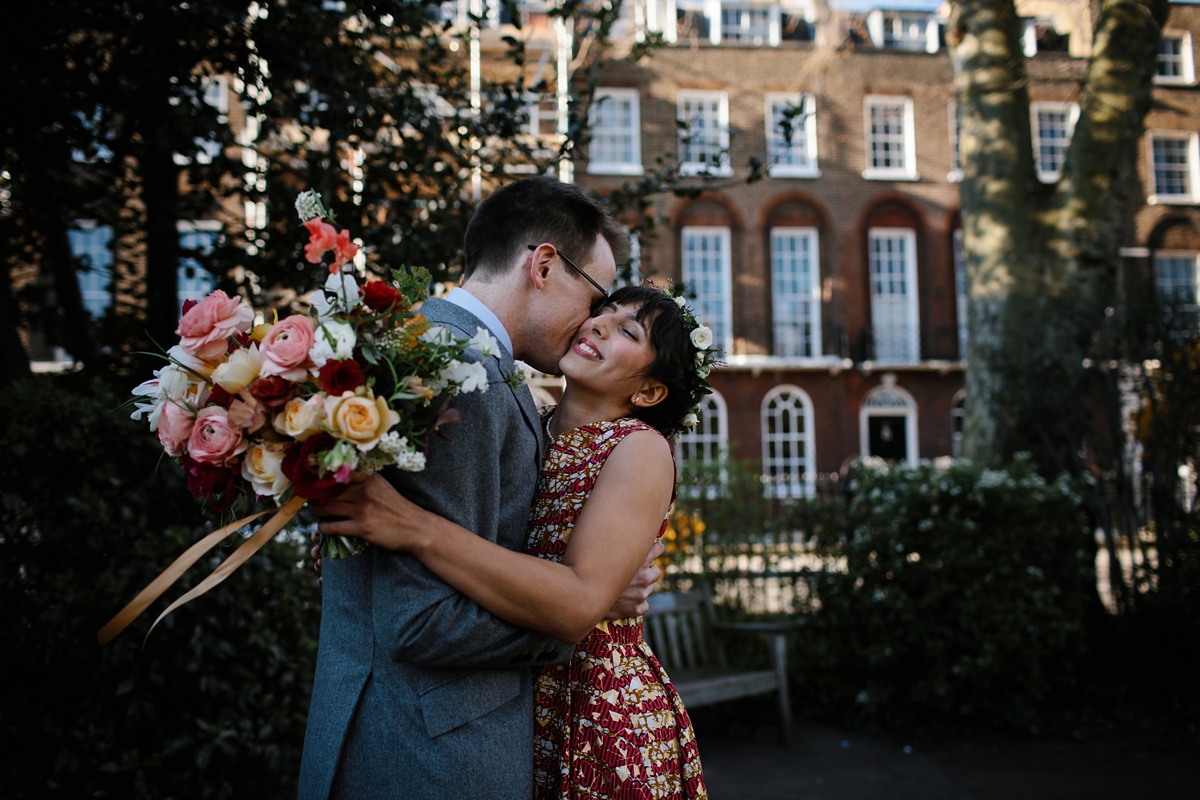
(372, 510)
(634, 601)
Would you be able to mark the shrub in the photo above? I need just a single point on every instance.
(963, 598)
(215, 704)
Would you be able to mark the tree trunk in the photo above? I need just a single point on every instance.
(160, 193)
(1041, 260)
(14, 360)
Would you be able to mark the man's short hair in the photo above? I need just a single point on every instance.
(533, 211)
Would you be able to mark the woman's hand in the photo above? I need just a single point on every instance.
(371, 509)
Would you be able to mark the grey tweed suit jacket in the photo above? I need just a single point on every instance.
(419, 692)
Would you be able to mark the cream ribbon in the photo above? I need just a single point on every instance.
(193, 554)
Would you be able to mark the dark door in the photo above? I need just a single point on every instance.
(887, 438)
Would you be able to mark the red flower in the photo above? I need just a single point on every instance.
(220, 397)
(341, 376)
(303, 470)
(273, 391)
(381, 297)
(322, 237)
(208, 481)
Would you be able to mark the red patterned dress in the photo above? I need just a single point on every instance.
(609, 724)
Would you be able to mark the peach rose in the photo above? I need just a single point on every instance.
(284, 350)
(175, 427)
(206, 326)
(215, 440)
(300, 418)
(360, 418)
(263, 468)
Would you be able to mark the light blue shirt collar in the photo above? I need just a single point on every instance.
(469, 302)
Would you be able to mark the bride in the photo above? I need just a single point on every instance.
(609, 723)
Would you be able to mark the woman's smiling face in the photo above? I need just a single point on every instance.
(611, 352)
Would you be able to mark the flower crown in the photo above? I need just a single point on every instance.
(706, 359)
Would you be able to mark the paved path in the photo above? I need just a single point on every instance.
(824, 763)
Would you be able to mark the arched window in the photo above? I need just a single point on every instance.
(789, 453)
(888, 423)
(704, 443)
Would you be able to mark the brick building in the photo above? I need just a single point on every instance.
(834, 287)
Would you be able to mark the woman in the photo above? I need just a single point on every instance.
(609, 723)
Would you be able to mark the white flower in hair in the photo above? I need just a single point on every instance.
(680, 301)
(702, 337)
(691, 420)
(703, 370)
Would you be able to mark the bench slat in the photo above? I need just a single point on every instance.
(702, 691)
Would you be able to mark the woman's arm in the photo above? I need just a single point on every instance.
(618, 523)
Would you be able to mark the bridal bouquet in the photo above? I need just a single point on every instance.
(284, 412)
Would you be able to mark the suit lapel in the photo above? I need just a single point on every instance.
(440, 312)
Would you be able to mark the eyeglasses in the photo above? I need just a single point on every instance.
(574, 266)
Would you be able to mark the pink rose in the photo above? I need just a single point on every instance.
(284, 350)
(215, 440)
(206, 327)
(175, 427)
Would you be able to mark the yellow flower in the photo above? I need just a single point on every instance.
(300, 418)
(239, 371)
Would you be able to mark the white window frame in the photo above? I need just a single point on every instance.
(807, 103)
(911, 293)
(724, 169)
(1187, 76)
(1193, 166)
(960, 291)
(655, 16)
(955, 175)
(712, 446)
(908, 411)
(802, 468)
(96, 301)
(814, 294)
(1191, 255)
(185, 227)
(716, 23)
(617, 167)
(907, 171)
(723, 328)
(958, 411)
(1072, 109)
(878, 21)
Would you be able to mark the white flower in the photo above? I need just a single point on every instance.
(691, 420)
(469, 376)
(702, 337)
(437, 335)
(485, 343)
(410, 461)
(344, 289)
(308, 205)
(333, 341)
(680, 301)
(524, 371)
(703, 370)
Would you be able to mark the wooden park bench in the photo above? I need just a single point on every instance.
(684, 634)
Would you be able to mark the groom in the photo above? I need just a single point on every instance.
(419, 692)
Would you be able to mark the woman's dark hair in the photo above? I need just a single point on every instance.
(675, 360)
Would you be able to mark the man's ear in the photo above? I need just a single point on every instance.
(540, 262)
(652, 393)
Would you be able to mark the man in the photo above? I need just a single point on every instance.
(419, 692)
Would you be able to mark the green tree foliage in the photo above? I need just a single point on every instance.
(215, 703)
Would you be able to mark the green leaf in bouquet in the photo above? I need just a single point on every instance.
(370, 355)
(413, 282)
